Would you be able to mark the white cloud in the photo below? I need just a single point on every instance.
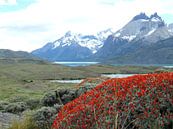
(7, 2)
(46, 20)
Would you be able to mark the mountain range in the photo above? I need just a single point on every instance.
(73, 47)
(143, 40)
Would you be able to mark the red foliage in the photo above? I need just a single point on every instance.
(132, 102)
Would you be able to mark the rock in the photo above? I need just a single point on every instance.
(6, 119)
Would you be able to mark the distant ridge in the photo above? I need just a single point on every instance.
(10, 57)
(6, 53)
(143, 34)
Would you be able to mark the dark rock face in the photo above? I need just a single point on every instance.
(73, 53)
(155, 15)
(140, 16)
(144, 40)
(158, 53)
(113, 46)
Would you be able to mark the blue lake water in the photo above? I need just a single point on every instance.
(117, 75)
(67, 81)
(170, 67)
(75, 64)
(103, 75)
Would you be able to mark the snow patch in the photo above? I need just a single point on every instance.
(94, 43)
(129, 38)
(170, 30)
(56, 44)
(150, 32)
(155, 19)
(104, 34)
(143, 20)
(117, 34)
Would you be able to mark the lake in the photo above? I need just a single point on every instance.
(103, 75)
(75, 64)
(170, 67)
(117, 75)
(67, 81)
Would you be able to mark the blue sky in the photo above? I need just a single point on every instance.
(29, 24)
(16, 5)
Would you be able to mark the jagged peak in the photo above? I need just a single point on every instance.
(109, 30)
(155, 15)
(140, 16)
(70, 33)
(145, 17)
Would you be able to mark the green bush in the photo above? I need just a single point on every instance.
(49, 99)
(33, 103)
(44, 117)
(3, 105)
(57, 107)
(66, 95)
(60, 97)
(16, 107)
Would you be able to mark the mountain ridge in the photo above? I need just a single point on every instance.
(10, 57)
(72, 46)
(138, 34)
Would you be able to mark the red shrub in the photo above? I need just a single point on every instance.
(134, 102)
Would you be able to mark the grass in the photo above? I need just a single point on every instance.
(11, 89)
(24, 80)
(26, 123)
(99, 69)
(31, 80)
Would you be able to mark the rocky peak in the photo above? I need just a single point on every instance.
(69, 34)
(140, 16)
(156, 16)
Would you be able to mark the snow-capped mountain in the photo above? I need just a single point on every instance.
(170, 27)
(73, 43)
(133, 40)
(89, 41)
(92, 42)
(140, 33)
(140, 26)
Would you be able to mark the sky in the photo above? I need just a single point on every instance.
(29, 24)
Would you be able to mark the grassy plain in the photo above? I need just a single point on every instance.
(31, 79)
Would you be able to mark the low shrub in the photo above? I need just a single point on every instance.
(3, 105)
(49, 99)
(139, 102)
(16, 107)
(33, 103)
(60, 97)
(57, 107)
(44, 117)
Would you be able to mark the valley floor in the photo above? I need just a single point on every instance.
(22, 82)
